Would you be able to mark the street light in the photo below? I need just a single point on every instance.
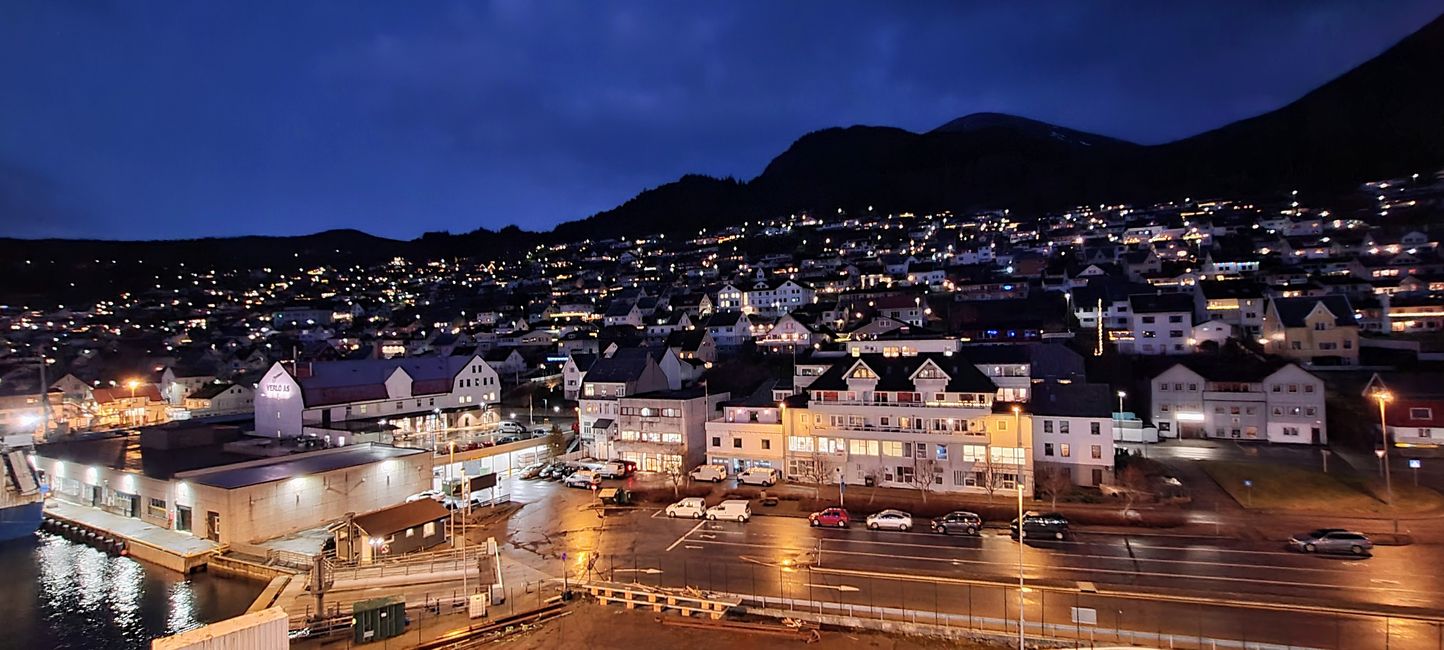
(1018, 482)
(1383, 396)
(131, 384)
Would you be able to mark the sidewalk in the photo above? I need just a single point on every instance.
(173, 550)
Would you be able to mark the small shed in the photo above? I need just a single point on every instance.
(405, 528)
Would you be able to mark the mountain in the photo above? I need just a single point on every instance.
(1381, 119)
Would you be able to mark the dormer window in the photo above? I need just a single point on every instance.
(931, 372)
(862, 372)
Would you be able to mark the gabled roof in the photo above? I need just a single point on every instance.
(1154, 303)
(583, 362)
(724, 319)
(210, 390)
(1074, 399)
(381, 523)
(335, 382)
(894, 373)
(1292, 311)
(623, 366)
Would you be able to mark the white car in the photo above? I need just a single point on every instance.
(510, 426)
(713, 473)
(730, 509)
(764, 476)
(692, 508)
(582, 478)
(891, 520)
(434, 495)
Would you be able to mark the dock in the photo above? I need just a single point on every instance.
(146, 542)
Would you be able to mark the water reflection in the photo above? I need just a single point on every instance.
(67, 595)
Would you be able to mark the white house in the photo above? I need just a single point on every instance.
(1239, 399)
(1159, 324)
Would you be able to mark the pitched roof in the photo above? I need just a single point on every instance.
(1075, 399)
(895, 373)
(1292, 311)
(1153, 303)
(334, 382)
(624, 365)
(386, 521)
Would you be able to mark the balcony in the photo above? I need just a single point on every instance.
(1231, 396)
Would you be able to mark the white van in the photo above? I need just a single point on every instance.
(713, 473)
(764, 476)
(730, 509)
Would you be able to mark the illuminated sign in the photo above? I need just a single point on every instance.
(276, 390)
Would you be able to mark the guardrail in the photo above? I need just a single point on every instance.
(659, 600)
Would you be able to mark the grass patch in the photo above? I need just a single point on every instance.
(1283, 487)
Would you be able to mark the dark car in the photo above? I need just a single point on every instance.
(958, 521)
(1331, 540)
(830, 517)
(1049, 524)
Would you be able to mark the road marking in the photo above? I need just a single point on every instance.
(706, 536)
(695, 548)
(845, 588)
(648, 570)
(684, 535)
(1152, 574)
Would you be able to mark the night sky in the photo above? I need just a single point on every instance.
(138, 120)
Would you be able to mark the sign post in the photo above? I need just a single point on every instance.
(1248, 483)
(1414, 464)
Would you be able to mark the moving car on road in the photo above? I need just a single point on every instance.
(582, 478)
(730, 509)
(958, 521)
(764, 476)
(713, 473)
(891, 520)
(1049, 524)
(691, 507)
(830, 517)
(1331, 540)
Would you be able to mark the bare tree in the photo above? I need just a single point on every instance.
(1055, 482)
(990, 476)
(676, 477)
(924, 476)
(1134, 482)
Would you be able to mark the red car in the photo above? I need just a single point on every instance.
(830, 517)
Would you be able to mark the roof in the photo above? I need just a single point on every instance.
(210, 390)
(1292, 311)
(107, 395)
(1414, 384)
(298, 465)
(1230, 368)
(398, 518)
(336, 382)
(894, 373)
(1153, 303)
(1074, 399)
(602, 423)
(624, 365)
(724, 319)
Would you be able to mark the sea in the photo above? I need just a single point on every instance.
(55, 593)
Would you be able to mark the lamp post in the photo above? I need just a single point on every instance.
(131, 384)
(1383, 396)
(1018, 482)
(1118, 421)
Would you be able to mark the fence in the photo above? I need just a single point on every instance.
(425, 606)
(960, 606)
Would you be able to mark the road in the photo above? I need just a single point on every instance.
(1205, 587)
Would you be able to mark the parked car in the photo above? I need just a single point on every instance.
(501, 440)
(532, 471)
(958, 521)
(1331, 540)
(730, 509)
(764, 476)
(583, 478)
(1049, 524)
(556, 471)
(891, 520)
(713, 473)
(434, 495)
(540, 431)
(510, 426)
(613, 469)
(830, 517)
(691, 507)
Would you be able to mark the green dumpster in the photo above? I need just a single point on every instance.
(378, 618)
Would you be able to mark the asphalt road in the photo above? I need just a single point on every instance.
(1196, 587)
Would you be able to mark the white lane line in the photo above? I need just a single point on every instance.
(1046, 567)
(684, 535)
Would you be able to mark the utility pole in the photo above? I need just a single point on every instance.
(1022, 602)
(1382, 397)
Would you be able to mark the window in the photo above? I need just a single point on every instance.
(411, 532)
(1291, 431)
(716, 441)
(429, 529)
(1278, 387)
(1147, 320)
(941, 452)
(1193, 386)
(766, 443)
(156, 507)
(1047, 426)
(1175, 319)
(1063, 450)
(1047, 449)
(1163, 386)
(736, 443)
(1096, 451)
(1421, 414)
(957, 477)
(1062, 426)
(1094, 428)
(1007, 455)
(892, 448)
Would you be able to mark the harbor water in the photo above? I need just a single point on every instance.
(60, 594)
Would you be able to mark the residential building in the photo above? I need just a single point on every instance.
(1414, 410)
(625, 372)
(1073, 430)
(1313, 330)
(1159, 324)
(664, 431)
(1240, 399)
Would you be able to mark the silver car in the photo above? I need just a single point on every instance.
(1331, 540)
(890, 520)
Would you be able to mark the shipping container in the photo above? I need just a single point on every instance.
(378, 618)
(263, 630)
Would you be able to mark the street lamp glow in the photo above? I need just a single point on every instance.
(1122, 394)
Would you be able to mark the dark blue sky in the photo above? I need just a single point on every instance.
(158, 119)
